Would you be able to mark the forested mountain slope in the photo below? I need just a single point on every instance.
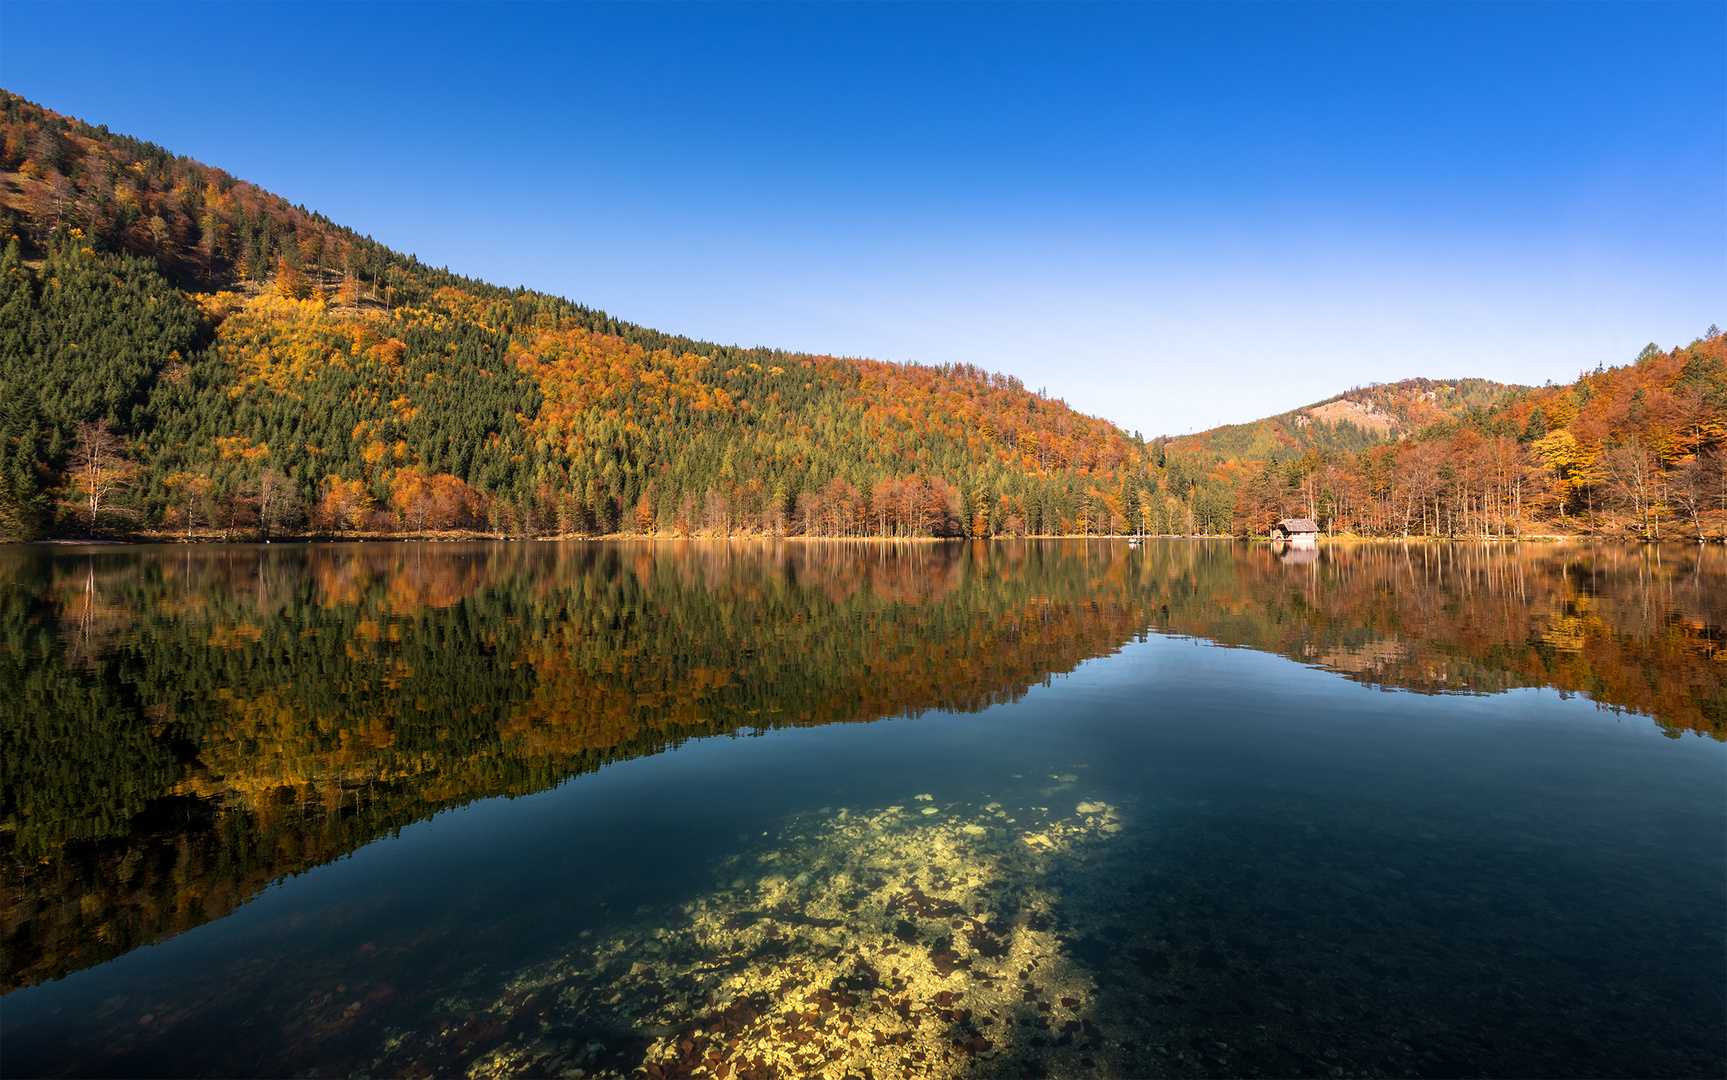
(1352, 421)
(182, 352)
(264, 369)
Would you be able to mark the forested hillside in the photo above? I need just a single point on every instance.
(1352, 421)
(1634, 451)
(213, 359)
(184, 353)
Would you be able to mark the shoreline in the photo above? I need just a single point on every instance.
(462, 537)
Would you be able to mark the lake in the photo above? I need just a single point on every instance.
(1187, 808)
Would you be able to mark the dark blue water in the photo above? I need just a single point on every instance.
(1178, 859)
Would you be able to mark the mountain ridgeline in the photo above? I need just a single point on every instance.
(183, 353)
(1354, 421)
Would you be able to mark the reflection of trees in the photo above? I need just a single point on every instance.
(729, 637)
(190, 724)
(89, 622)
(1633, 628)
(223, 716)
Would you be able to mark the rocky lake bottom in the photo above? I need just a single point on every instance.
(1033, 941)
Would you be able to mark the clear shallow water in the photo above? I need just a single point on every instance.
(1147, 854)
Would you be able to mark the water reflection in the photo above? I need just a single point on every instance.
(1639, 629)
(189, 724)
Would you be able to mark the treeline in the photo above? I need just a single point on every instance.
(207, 230)
(1625, 451)
(268, 416)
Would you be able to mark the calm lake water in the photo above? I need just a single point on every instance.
(750, 810)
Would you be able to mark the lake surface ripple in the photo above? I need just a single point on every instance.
(776, 809)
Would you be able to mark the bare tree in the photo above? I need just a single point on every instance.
(100, 470)
(52, 202)
(280, 504)
(716, 514)
(881, 502)
(1417, 480)
(1693, 486)
(1635, 476)
(208, 243)
(189, 499)
(1720, 486)
(238, 511)
(809, 509)
(907, 501)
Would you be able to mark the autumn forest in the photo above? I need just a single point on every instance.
(185, 355)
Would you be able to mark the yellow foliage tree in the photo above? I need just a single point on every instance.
(346, 505)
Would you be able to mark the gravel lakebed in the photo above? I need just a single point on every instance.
(918, 939)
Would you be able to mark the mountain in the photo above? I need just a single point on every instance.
(1634, 451)
(184, 353)
(264, 369)
(1351, 421)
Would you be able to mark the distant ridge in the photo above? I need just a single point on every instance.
(1353, 420)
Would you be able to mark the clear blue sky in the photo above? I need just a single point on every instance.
(1173, 216)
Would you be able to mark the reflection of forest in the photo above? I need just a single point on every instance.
(195, 723)
(190, 724)
(1637, 628)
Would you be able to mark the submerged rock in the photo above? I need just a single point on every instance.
(872, 950)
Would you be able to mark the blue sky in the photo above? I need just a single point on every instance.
(1173, 216)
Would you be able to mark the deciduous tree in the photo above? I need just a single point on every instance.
(100, 470)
